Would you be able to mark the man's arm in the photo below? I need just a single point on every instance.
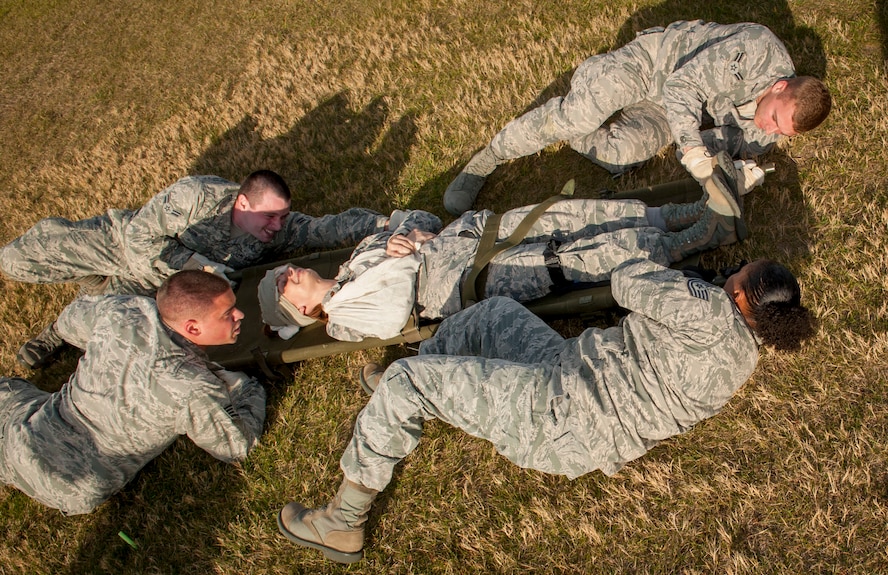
(331, 231)
(225, 414)
(418, 226)
(77, 321)
(417, 220)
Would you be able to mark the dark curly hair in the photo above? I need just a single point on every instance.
(774, 299)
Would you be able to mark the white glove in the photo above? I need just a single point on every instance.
(698, 162)
(199, 262)
(749, 176)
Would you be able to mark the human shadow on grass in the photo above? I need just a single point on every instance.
(533, 178)
(333, 158)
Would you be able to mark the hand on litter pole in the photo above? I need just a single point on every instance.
(749, 176)
(199, 262)
(698, 161)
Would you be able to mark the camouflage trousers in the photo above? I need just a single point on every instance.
(19, 401)
(605, 116)
(58, 250)
(591, 237)
(583, 239)
(509, 395)
(530, 271)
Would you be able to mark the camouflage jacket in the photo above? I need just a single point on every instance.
(721, 69)
(194, 215)
(674, 361)
(138, 387)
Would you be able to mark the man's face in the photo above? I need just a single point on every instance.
(262, 219)
(221, 325)
(774, 111)
(303, 288)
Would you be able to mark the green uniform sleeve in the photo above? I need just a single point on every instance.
(418, 220)
(77, 321)
(688, 306)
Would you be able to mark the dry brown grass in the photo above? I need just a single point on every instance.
(378, 104)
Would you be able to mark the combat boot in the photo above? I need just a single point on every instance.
(724, 197)
(370, 375)
(38, 352)
(680, 217)
(462, 191)
(721, 223)
(337, 529)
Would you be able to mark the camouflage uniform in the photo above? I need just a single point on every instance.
(660, 85)
(564, 406)
(586, 238)
(138, 249)
(138, 387)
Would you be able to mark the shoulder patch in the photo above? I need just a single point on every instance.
(735, 68)
(699, 288)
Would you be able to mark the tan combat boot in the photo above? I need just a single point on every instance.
(337, 529)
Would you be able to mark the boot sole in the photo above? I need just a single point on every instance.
(363, 381)
(329, 552)
(40, 362)
(721, 180)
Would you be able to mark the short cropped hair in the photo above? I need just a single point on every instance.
(260, 182)
(189, 294)
(774, 298)
(812, 99)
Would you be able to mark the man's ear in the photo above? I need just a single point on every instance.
(241, 202)
(192, 328)
(779, 86)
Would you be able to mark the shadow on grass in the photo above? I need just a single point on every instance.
(177, 506)
(334, 158)
(882, 19)
(534, 178)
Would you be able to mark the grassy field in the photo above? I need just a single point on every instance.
(378, 103)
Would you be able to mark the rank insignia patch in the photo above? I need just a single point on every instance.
(734, 66)
(699, 288)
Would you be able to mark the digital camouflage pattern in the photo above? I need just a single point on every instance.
(564, 406)
(138, 387)
(577, 225)
(592, 237)
(140, 248)
(662, 81)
